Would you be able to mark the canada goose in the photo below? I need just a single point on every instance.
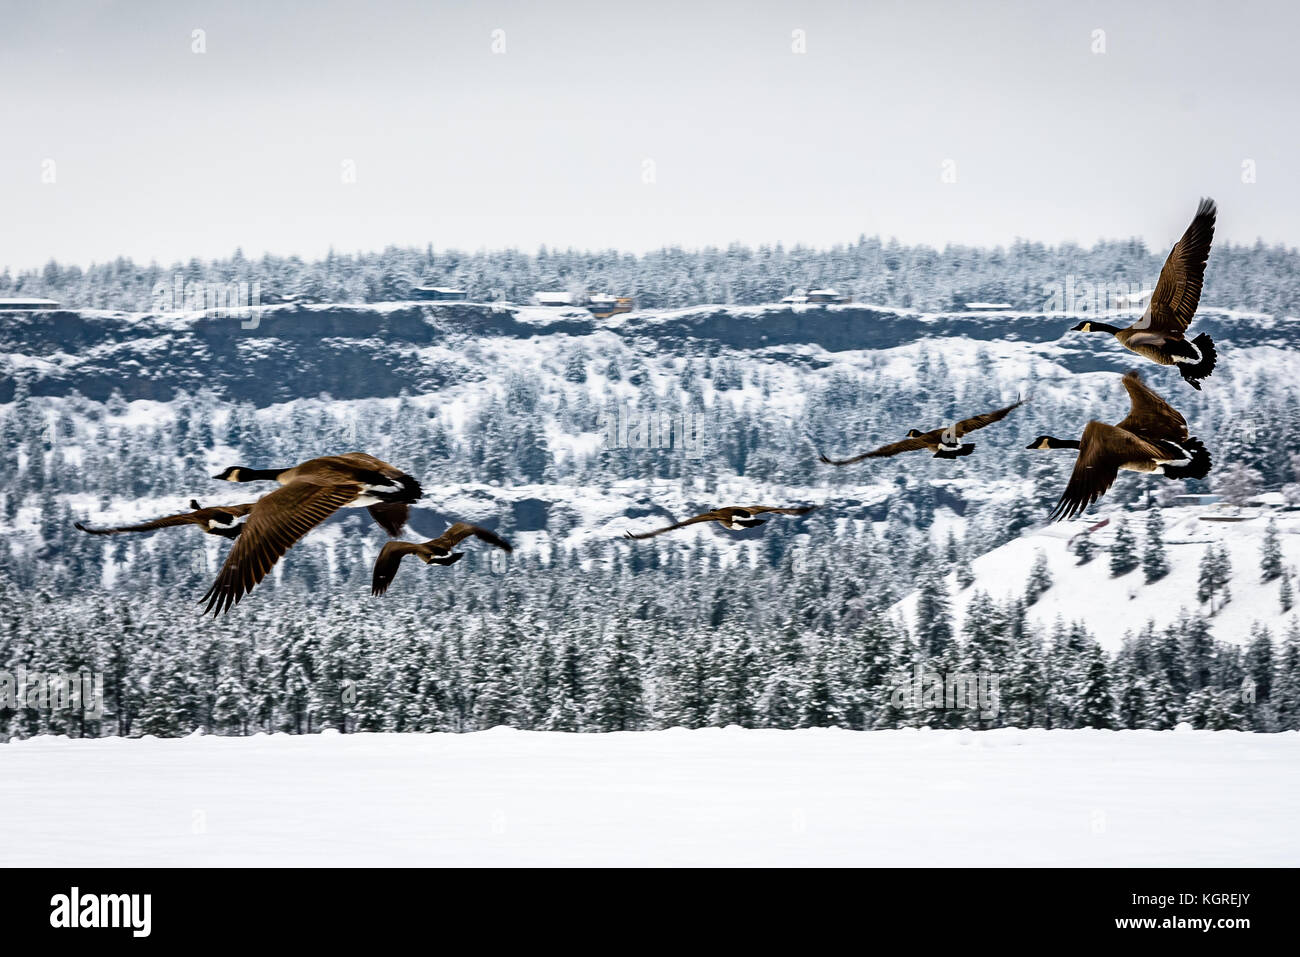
(223, 520)
(309, 494)
(944, 443)
(384, 490)
(1153, 438)
(732, 517)
(1158, 335)
(437, 551)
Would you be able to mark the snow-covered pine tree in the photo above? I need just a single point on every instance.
(933, 623)
(1196, 645)
(1155, 563)
(618, 704)
(1095, 704)
(1162, 703)
(575, 366)
(1024, 690)
(1130, 691)
(1223, 572)
(1270, 561)
(820, 707)
(1213, 578)
(567, 700)
(733, 673)
(1285, 693)
(964, 572)
(1123, 550)
(1083, 547)
(1257, 685)
(1040, 579)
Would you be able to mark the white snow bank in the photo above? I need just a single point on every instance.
(1110, 606)
(712, 797)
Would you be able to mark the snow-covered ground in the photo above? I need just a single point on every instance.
(710, 797)
(1111, 606)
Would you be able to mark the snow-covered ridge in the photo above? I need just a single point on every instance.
(283, 352)
(1112, 606)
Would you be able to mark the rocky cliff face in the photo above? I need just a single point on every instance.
(361, 351)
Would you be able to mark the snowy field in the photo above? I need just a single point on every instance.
(710, 797)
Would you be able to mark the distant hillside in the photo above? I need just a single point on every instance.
(1258, 277)
(1113, 605)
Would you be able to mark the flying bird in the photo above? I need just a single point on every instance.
(309, 494)
(1153, 438)
(1159, 334)
(386, 492)
(223, 520)
(944, 443)
(732, 517)
(436, 551)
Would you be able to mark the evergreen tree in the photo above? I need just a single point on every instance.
(1095, 707)
(618, 702)
(1040, 579)
(820, 705)
(1024, 693)
(1257, 684)
(1285, 692)
(1214, 576)
(1155, 563)
(1123, 550)
(1130, 692)
(933, 613)
(733, 674)
(566, 711)
(1198, 652)
(1083, 547)
(1270, 563)
(964, 572)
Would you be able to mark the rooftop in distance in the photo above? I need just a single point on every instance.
(18, 303)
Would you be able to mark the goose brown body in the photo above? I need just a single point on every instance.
(1153, 437)
(309, 493)
(221, 520)
(733, 517)
(436, 551)
(1159, 334)
(944, 442)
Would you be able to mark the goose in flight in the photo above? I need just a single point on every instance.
(945, 443)
(1152, 438)
(731, 517)
(386, 492)
(223, 520)
(436, 551)
(309, 493)
(1159, 334)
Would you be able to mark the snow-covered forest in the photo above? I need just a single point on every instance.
(1261, 278)
(793, 627)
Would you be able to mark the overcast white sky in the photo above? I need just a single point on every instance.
(163, 153)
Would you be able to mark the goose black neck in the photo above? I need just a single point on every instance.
(1065, 444)
(258, 475)
(1102, 327)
